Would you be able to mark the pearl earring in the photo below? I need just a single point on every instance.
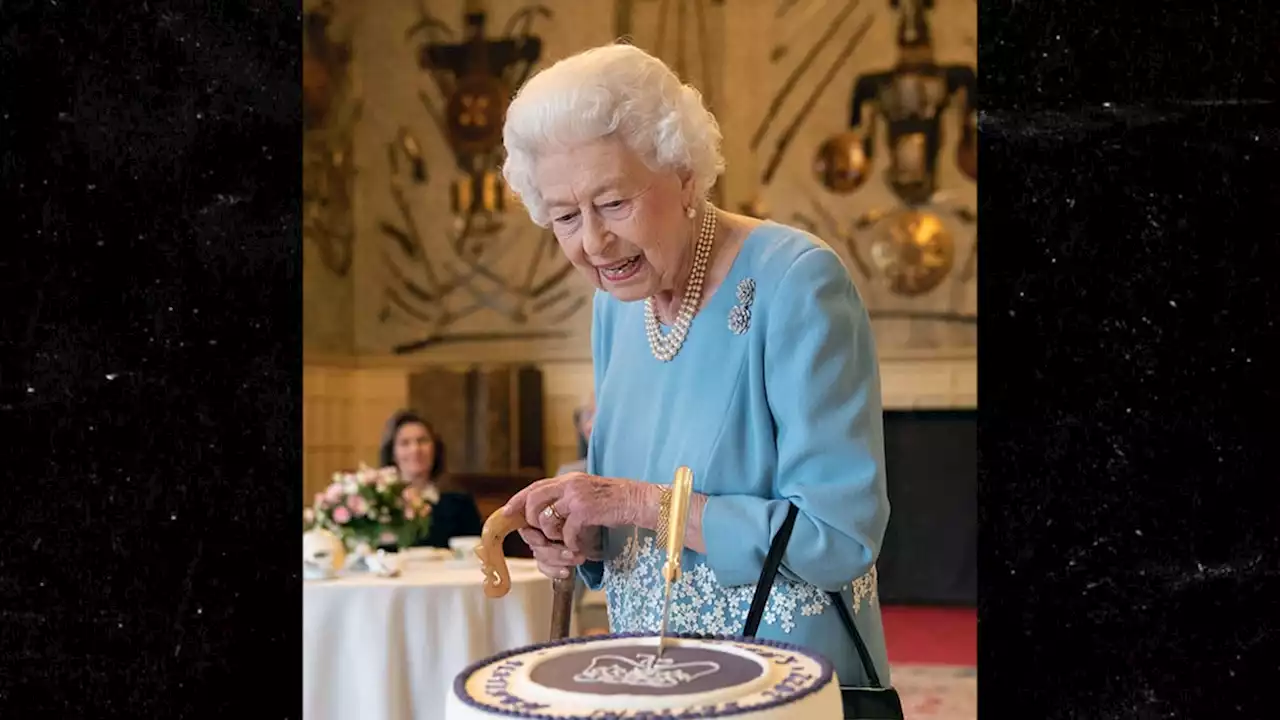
(689, 212)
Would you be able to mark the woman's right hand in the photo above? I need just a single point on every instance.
(554, 559)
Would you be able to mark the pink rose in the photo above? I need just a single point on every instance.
(341, 516)
(357, 505)
(408, 513)
(387, 538)
(333, 493)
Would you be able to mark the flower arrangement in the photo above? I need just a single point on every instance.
(373, 507)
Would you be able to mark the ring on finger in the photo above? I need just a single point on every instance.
(549, 512)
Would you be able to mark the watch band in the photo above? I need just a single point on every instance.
(664, 514)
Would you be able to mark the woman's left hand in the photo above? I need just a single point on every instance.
(563, 506)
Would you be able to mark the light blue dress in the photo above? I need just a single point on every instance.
(788, 410)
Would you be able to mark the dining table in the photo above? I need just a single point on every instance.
(389, 648)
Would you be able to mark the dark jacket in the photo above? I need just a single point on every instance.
(455, 515)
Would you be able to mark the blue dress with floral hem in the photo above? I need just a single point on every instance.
(773, 399)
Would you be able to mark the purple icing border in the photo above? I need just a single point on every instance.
(825, 673)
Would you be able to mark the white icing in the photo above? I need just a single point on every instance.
(699, 603)
(644, 671)
(785, 674)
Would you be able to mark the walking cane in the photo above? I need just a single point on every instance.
(497, 577)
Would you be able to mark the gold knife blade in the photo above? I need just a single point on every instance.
(677, 522)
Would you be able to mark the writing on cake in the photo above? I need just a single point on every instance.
(645, 671)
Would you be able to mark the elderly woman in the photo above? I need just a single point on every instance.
(736, 347)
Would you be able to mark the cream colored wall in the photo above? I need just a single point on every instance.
(373, 310)
(382, 300)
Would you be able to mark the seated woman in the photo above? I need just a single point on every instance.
(412, 446)
(736, 347)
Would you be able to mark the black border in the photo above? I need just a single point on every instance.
(152, 359)
(1129, 307)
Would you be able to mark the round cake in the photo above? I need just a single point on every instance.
(621, 676)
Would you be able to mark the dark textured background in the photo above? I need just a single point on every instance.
(151, 360)
(1128, 401)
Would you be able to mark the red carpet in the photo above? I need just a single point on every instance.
(931, 636)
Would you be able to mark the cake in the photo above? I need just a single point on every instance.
(619, 676)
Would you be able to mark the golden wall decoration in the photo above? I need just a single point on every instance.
(883, 94)
(445, 264)
(471, 271)
(909, 100)
(913, 251)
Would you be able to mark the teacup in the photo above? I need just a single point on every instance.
(464, 546)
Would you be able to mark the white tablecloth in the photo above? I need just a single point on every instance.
(389, 649)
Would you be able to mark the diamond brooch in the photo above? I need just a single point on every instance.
(740, 314)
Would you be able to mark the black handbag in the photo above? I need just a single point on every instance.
(875, 702)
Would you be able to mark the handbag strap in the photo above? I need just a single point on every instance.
(769, 572)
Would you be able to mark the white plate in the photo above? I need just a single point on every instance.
(425, 554)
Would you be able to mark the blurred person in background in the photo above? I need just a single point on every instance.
(584, 418)
(411, 445)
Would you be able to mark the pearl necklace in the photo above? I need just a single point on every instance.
(665, 347)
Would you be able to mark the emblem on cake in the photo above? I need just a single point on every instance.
(644, 671)
(622, 676)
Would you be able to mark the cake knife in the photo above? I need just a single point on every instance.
(676, 520)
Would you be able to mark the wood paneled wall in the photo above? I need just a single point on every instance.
(345, 407)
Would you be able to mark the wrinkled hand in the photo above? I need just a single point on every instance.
(557, 561)
(582, 504)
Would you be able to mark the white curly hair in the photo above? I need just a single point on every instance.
(617, 90)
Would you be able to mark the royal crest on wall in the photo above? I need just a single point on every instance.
(480, 273)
